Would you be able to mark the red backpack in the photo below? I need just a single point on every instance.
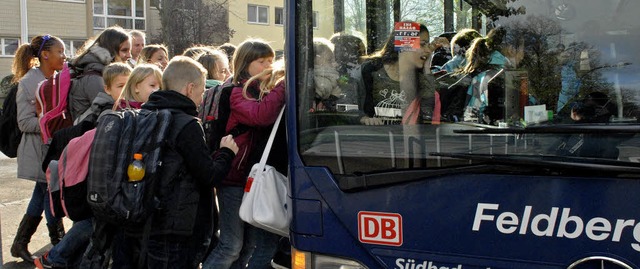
(51, 103)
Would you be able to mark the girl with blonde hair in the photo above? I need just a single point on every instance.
(144, 80)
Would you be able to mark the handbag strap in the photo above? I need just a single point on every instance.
(272, 136)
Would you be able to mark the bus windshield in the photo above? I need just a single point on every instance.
(551, 86)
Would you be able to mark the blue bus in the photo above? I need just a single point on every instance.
(524, 155)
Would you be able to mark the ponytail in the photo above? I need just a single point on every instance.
(23, 61)
(28, 55)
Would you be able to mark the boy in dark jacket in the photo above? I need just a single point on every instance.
(170, 243)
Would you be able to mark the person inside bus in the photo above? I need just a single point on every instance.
(452, 86)
(484, 62)
(379, 78)
(460, 43)
(348, 50)
(596, 107)
(442, 54)
(569, 60)
(325, 76)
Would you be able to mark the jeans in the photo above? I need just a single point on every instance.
(202, 234)
(167, 254)
(236, 242)
(266, 247)
(40, 202)
(126, 250)
(68, 253)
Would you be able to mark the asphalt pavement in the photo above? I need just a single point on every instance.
(14, 198)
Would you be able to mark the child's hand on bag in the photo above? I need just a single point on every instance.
(228, 142)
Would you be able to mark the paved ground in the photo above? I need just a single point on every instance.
(14, 197)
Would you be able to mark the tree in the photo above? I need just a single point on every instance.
(192, 22)
(430, 13)
(354, 16)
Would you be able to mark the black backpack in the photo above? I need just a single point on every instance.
(10, 134)
(214, 113)
(119, 135)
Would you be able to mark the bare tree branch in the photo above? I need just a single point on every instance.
(194, 22)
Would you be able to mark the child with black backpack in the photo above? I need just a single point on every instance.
(184, 170)
(33, 63)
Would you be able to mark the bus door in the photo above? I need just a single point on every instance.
(464, 134)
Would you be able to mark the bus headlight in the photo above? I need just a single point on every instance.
(306, 260)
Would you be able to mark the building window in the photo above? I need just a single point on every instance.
(258, 14)
(315, 20)
(72, 46)
(128, 14)
(278, 18)
(155, 3)
(9, 46)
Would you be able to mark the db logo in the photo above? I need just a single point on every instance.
(380, 228)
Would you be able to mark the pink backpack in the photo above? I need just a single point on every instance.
(68, 191)
(51, 103)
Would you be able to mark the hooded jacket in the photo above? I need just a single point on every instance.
(259, 116)
(180, 193)
(89, 83)
(30, 150)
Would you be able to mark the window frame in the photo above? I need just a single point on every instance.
(257, 9)
(3, 42)
(275, 16)
(104, 16)
(315, 22)
(70, 48)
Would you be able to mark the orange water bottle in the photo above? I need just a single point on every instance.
(136, 168)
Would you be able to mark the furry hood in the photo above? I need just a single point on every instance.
(95, 59)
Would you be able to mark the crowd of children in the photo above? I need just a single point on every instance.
(116, 71)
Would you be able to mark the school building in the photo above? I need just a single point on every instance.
(76, 20)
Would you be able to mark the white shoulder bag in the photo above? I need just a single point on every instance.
(264, 204)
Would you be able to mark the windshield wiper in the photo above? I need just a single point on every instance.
(601, 128)
(377, 179)
(575, 164)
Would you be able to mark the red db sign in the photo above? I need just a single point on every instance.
(380, 228)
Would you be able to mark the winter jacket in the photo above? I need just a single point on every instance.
(31, 148)
(259, 116)
(100, 103)
(180, 193)
(90, 83)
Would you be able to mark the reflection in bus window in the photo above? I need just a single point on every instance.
(518, 69)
